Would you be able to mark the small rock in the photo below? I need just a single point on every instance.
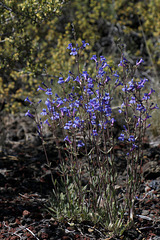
(151, 170)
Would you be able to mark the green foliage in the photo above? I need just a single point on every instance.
(140, 25)
(34, 35)
(22, 45)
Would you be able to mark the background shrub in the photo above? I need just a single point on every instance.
(34, 35)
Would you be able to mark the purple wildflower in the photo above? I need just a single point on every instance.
(44, 112)
(121, 137)
(146, 96)
(39, 101)
(40, 88)
(141, 83)
(123, 63)
(84, 44)
(46, 122)
(49, 91)
(94, 58)
(131, 138)
(139, 62)
(67, 139)
(64, 110)
(69, 46)
(29, 114)
(77, 79)
(68, 78)
(48, 104)
(85, 75)
(73, 51)
(101, 72)
(94, 133)
(27, 99)
(68, 125)
(102, 58)
(76, 123)
(148, 116)
(80, 144)
(107, 79)
(133, 100)
(76, 103)
(59, 102)
(55, 116)
(116, 74)
(155, 107)
(60, 81)
(52, 81)
(151, 91)
(140, 108)
(133, 147)
(112, 121)
(44, 84)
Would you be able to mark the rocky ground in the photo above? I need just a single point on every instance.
(25, 187)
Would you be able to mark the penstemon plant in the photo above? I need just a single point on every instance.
(83, 112)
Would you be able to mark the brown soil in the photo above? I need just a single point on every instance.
(25, 186)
